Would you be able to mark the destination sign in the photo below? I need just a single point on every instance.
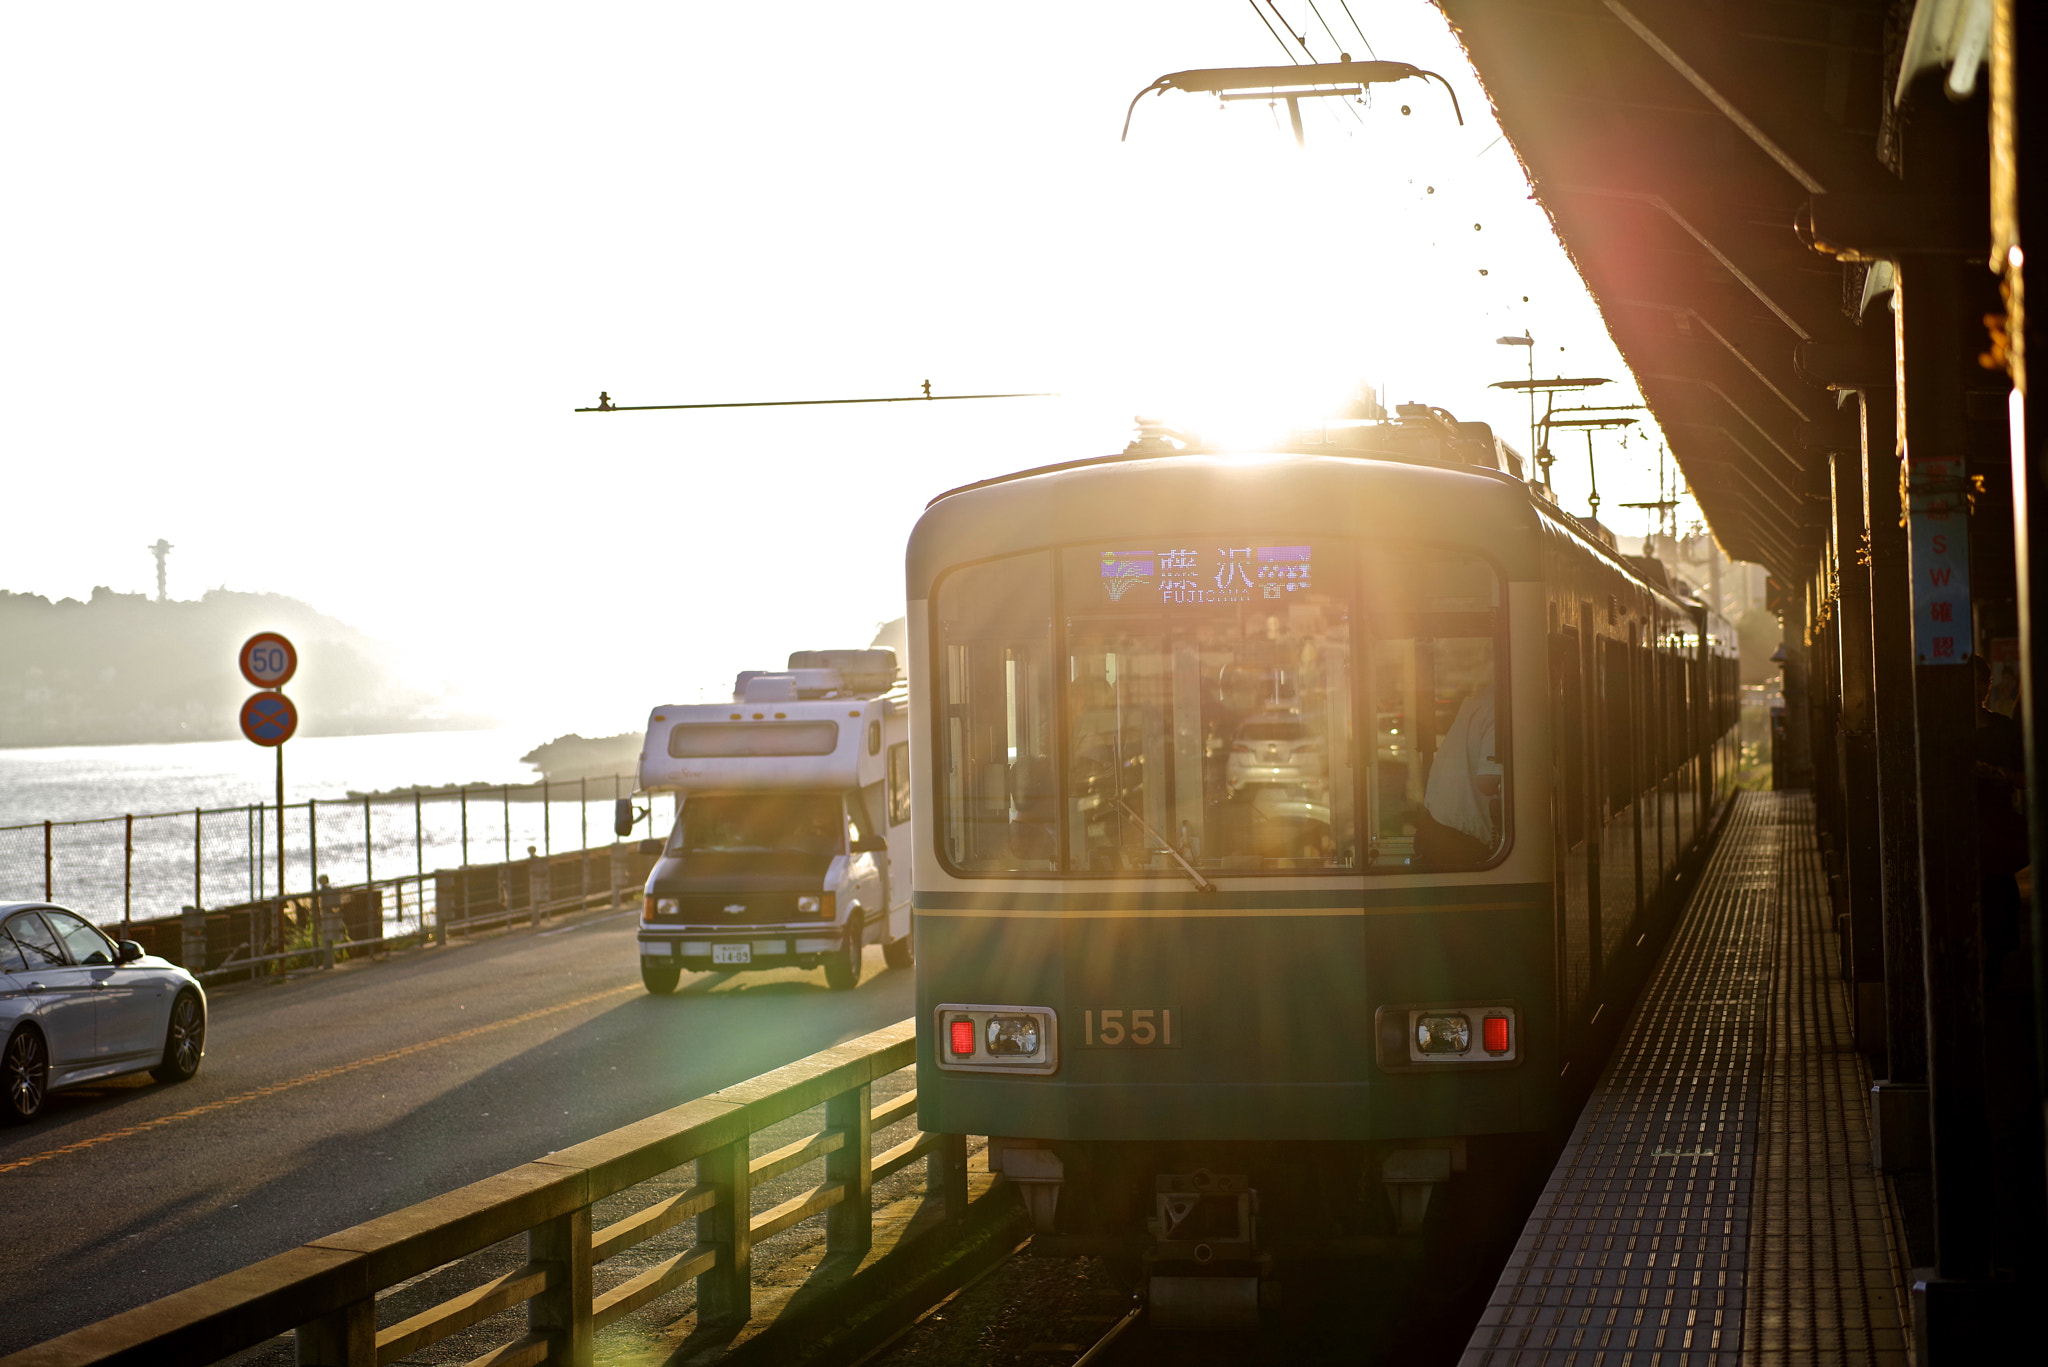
(1189, 574)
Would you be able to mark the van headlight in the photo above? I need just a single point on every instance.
(824, 905)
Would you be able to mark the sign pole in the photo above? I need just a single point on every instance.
(280, 849)
(268, 661)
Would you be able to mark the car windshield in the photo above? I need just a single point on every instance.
(812, 824)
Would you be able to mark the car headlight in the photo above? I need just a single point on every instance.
(807, 905)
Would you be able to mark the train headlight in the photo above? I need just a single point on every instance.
(1009, 1036)
(1443, 1034)
(1448, 1036)
(974, 1038)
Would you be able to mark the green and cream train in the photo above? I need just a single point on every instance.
(1287, 823)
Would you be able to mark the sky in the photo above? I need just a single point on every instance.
(313, 292)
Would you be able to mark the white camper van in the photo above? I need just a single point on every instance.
(792, 838)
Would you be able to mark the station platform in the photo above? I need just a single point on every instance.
(1716, 1201)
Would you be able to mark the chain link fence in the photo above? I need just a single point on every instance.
(384, 858)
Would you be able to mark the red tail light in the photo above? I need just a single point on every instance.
(1494, 1034)
(962, 1032)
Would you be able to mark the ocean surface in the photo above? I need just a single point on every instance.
(105, 867)
(73, 782)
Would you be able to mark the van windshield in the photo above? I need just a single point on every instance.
(811, 824)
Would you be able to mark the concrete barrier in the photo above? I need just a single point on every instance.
(325, 1291)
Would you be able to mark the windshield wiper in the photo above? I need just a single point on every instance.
(1169, 851)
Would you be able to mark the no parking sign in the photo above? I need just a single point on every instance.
(269, 718)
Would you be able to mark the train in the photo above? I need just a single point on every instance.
(1291, 827)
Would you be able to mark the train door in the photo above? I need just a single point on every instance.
(1592, 804)
(1568, 803)
(1620, 875)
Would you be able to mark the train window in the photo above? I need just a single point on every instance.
(998, 799)
(1208, 709)
(899, 783)
(1617, 703)
(1438, 781)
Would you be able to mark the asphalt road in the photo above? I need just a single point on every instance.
(328, 1100)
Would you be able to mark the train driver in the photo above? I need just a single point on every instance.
(1458, 801)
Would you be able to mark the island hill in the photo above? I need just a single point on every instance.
(124, 668)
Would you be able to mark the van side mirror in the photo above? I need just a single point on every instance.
(127, 952)
(624, 818)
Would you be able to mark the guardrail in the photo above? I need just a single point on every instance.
(326, 1291)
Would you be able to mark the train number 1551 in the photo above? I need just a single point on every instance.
(1139, 1027)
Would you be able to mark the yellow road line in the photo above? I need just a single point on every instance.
(272, 1089)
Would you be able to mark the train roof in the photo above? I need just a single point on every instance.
(1279, 490)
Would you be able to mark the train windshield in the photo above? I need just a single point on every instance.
(1281, 705)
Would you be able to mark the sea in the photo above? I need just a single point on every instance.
(205, 825)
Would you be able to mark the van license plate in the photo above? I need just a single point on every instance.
(732, 954)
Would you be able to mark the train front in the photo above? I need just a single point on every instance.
(1223, 934)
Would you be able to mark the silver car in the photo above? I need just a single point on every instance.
(75, 1008)
(1275, 748)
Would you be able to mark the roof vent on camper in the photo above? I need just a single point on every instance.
(755, 686)
(860, 671)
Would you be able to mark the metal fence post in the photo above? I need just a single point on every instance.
(563, 1310)
(507, 802)
(312, 857)
(849, 1226)
(369, 874)
(726, 1292)
(344, 1338)
(547, 817)
(127, 870)
(198, 859)
(462, 795)
(49, 883)
(537, 890)
(583, 809)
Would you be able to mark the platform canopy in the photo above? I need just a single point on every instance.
(1675, 146)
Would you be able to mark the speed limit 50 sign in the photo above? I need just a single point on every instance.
(268, 660)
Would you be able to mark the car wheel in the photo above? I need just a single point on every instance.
(660, 975)
(24, 1076)
(901, 953)
(842, 970)
(184, 1040)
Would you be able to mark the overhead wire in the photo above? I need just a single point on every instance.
(1276, 37)
(1326, 25)
(1301, 39)
(1361, 32)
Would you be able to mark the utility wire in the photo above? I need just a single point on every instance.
(1361, 32)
